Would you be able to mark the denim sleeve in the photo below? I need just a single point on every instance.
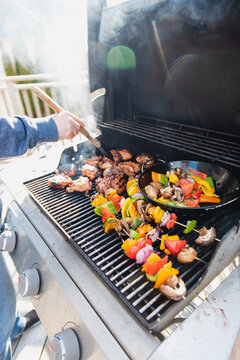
(20, 133)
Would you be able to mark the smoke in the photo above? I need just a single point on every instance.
(50, 36)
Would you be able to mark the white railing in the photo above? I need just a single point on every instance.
(19, 99)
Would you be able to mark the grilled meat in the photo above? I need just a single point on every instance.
(119, 155)
(68, 169)
(90, 171)
(145, 158)
(129, 168)
(93, 160)
(105, 164)
(113, 171)
(59, 181)
(81, 184)
(102, 185)
(119, 184)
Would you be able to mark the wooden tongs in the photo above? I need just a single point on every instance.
(57, 108)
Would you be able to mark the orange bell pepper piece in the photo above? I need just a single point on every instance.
(128, 244)
(164, 275)
(209, 199)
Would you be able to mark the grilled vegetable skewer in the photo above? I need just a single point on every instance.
(198, 231)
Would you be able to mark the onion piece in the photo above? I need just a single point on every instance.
(143, 254)
(136, 195)
(165, 218)
(121, 202)
(153, 234)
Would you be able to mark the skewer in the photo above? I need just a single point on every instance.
(193, 229)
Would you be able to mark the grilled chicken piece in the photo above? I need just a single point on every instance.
(67, 169)
(90, 171)
(81, 184)
(113, 171)
(105, 164)
(102, 185)
(93, 160)
(129, 168)
(119, 184)
(145, 158)
(59, 181)
(119, 155)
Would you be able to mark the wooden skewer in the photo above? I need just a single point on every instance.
(193, 229)
(201, 260)
(183, 297)
(57, 108)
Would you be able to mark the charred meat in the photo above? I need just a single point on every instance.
(93, 160)
(145, 159)
(121, 155)
(129, 168)
(67, 169)
(59, 181)
(102, 185)
(105, 163)
(81, 184)
(90, 171)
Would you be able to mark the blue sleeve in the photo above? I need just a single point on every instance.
(20, 133)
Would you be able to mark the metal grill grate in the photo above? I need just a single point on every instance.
(73, 214)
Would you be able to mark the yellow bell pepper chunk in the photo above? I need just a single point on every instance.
(132, 211)
(125, 206)
(166, 236)
(128, 244)
(162, 200)
(164, 275)
(99, 200)
(130, 182)
(156, 176)
(111, 225)
(158, 214)
(143, 230)
(173, 178)
(133, 190)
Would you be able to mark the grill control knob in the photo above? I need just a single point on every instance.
(65, 345)
(7, 240)
(29, 282)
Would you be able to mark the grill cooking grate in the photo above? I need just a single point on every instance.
(73, 214)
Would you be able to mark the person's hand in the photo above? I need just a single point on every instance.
(68, 125)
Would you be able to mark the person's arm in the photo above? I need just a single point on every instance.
(20, 133)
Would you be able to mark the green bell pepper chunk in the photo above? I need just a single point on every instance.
(164, 180)
(171, 203)
(138, 198)
(136, 223)
(181, 205)
(131, 186)
(133, 234)
(111, 219)
(190, 226)
(109, 205)
(209, 179)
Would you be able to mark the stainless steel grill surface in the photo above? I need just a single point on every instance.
(73, 214)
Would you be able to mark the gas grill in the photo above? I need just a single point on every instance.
(88, 294)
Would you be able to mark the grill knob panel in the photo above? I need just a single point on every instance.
(8, 240)
(29, 282)
(65, 345)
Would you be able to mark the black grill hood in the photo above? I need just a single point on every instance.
(187, 60)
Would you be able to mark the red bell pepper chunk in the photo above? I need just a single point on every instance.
(171, 222)
(186, 186)
(106, 214)
(116, 202)
(198, 173)
(192, 203)
(153, 268)
(195, 195)
(132, 252)
(175, 246)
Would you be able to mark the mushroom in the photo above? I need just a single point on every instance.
(157, 185)
(174, 288)
(151, 191)
(181, 174)
(178, 195)
(206, 237)
(186, 255)
(124, 224)
(167, 191)
(141, 204)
